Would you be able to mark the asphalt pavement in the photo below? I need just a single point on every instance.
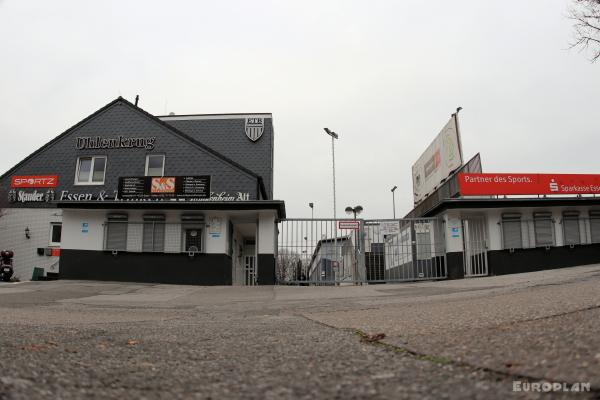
(473, 338)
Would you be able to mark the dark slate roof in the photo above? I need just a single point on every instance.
(171, 128)
(225, 133)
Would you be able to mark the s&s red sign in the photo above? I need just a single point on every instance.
(34, 181)
(524, 184)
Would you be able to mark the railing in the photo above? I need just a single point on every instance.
(335, 252)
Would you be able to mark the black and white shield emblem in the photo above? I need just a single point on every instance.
(255, 128)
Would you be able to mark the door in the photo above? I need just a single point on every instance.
(475, 245)
(250, 270)
(193, 240)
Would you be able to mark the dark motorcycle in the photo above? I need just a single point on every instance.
(6, 264)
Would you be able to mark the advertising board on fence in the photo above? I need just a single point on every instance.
(354, 225)
(439, 160)
(527, 184)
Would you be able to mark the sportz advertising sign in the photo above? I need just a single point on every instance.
(527, 184)
(34, 181)
(440, 159)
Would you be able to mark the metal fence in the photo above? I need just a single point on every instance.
(344, 251)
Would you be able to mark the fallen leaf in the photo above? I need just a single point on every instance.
(132, 342)
(374, 337)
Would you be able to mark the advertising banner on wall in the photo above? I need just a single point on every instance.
(527, 184)
(147, 187)
(441, 158)
(34, 181)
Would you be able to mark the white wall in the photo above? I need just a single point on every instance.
(454, 233)
(217, 243)
(74, 236)
(266, 232)
(13, 222)
(494, 216)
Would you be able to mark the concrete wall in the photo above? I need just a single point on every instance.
(13, 223)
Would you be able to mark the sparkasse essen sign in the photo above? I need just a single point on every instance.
(527, 184)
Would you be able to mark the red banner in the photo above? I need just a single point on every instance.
(533, 184)
(34, 181)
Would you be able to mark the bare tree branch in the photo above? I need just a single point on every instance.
(586, 26)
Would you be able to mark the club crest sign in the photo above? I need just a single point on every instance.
(255, 128)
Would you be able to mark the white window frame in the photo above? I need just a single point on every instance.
(89, 182)
(148, 162)
(52, 225)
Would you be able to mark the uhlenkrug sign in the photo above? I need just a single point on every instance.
(120, 142)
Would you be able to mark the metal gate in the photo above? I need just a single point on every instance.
(250, 270)
(319, 251)
(345, 251)
(475, 245)
(404, 250)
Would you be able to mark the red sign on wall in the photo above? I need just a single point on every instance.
(355, 225)
(34, 181)
(524, 184)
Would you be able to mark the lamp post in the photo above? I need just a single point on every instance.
(312, 210)
(354, 210)
(333, 137)
(394, 199)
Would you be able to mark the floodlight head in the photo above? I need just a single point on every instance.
(349, 210)
(394, 188)
(358, 209)
(331, 133)
(311, 205)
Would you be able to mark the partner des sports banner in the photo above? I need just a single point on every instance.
(439, 160)
(524, 184)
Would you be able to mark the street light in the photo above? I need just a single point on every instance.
(333, 137)
(394, 199)
(354, 210)
(312, 210)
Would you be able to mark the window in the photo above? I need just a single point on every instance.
(571, 227)
(544, 229)
(90, 170)
(155, 165)
(595, 225)
(153, 239)
(116, 232)
(511, 231)
(55, 233)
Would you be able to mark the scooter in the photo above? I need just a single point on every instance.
(6, 264)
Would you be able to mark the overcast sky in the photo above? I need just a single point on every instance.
(385, 75)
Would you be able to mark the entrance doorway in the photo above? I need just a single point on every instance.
(244, 266)
(250, 269)
(475, 245)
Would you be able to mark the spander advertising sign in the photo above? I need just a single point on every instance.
(147, 187)
(441, 158)
(527, 184)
